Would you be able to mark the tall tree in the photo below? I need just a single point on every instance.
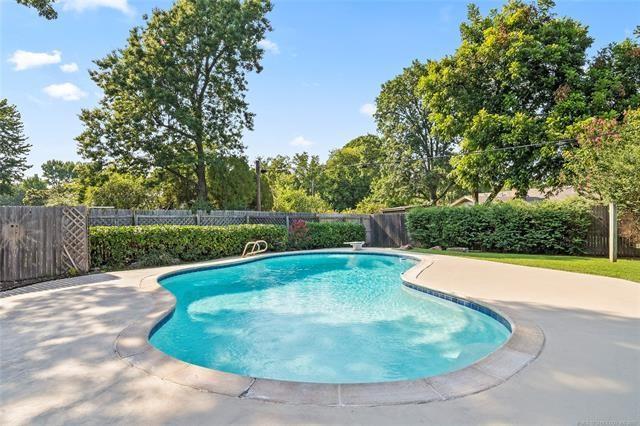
(122, 191)
(307, 173)
(350, 170)
(606, 164)
(416, 162)
(613, 79)
(13, 147)
(33, 190)
(301, 171)
(57, 172)
(514, 82)
(174, 97)
(232, 183)
(44, 7)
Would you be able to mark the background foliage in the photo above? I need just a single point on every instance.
(314, 235)
(516, 227)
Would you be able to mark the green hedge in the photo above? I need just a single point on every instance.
(517, 227)
(122, 246)
(118, 246)
(313, 235)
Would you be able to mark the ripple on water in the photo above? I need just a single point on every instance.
(330, 318)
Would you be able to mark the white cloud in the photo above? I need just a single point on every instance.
(300, 141)
(24, 60)
(269, 46)
(368, 109)
(65, 91)
(72, 67)
(82, 5)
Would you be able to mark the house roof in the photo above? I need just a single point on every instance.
(532, 195)
(399, 209)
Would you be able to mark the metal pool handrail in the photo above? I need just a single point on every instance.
(259, 246)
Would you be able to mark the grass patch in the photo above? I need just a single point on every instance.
(628, 269)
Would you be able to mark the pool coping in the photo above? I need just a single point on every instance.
(523, 346)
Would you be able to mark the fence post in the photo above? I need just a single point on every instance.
(613, 233)
(287, 220)
(198, 217)
(135, 217)
(247, 218)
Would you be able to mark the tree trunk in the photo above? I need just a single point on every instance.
(201, 173)
(494, 193)
(433, 195)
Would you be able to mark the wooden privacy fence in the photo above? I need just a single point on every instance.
(42, 242)
(598, 236)
(389, 230)
(37, 243)
(120, 217)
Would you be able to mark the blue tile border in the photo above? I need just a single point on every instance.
(463, 302)
(243, 260)
(523, 346)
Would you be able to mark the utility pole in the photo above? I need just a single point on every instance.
(258, 194)
(613, 233)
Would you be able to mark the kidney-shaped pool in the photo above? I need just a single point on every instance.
(324, 318)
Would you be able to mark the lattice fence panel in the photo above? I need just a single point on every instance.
(111, 221)
(268, 220)
(166, 220)
(75, 246)
(305, 218)
(207, 220)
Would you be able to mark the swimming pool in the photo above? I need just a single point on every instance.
(323, 318)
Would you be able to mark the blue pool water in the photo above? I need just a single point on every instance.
(326, 318)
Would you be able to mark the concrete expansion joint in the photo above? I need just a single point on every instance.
(433, 388)
(244, 393)
(125, 357)
(488, 373)
(430, 262)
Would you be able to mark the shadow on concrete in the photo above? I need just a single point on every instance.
(61, 283)
(57, 366)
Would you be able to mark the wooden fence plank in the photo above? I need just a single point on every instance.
(33, 242)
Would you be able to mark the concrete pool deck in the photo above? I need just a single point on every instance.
(522, 347)
(58, 365)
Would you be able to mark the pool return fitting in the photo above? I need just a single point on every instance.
(254, 247)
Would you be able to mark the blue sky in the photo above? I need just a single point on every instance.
(325, 63)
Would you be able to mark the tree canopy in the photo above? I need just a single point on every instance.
(606, 164)
(57, 172)
(174, 97)
(232, 183)
(44, 7)
(416, 163)
(13, 147)
(613, 79)
(121, 191)
(513, 83)
(350, 170)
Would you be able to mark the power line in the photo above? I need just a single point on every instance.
(557, 143)
(561, 142)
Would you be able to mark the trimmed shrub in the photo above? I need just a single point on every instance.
(118, 246)
(517, 227)
(313, 235)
